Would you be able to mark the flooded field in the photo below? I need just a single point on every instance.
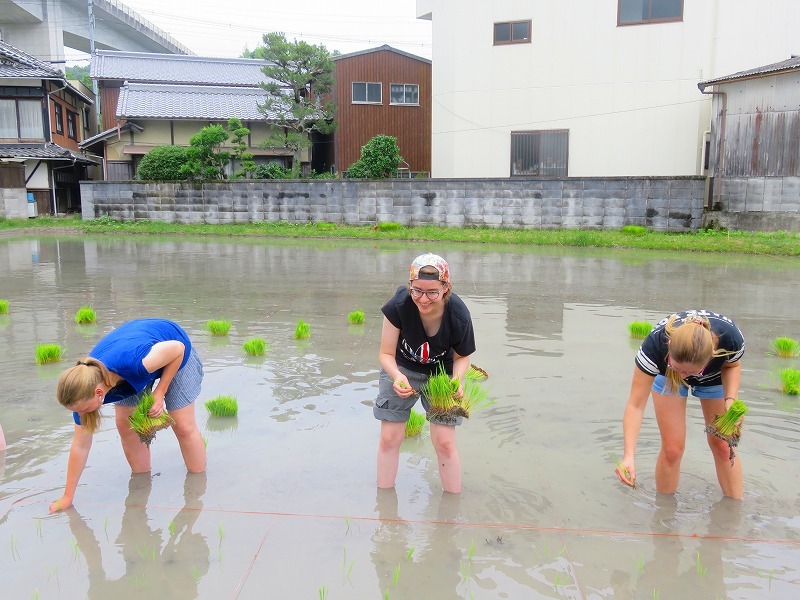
(289, 508)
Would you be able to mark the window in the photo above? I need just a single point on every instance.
(404, 93)
(539, 153)
(21, 120)
(634, 12)
(86, 118)
(72, 125)
(367, 93)
(59, 118)
(512, 32)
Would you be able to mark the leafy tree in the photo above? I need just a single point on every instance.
(79, 73)
(163, 164)
(273, 171)
(241, 151)
(380, 158)
(298, 78)
(207, 160)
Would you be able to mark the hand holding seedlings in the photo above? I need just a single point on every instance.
(626, 474)
(402, 387)
(158, 404)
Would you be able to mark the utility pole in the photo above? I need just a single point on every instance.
(91, 51)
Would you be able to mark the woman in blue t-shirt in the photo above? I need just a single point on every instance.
(698, 350)
(120, 369)
(425, 326)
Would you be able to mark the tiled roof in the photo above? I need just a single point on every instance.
(17, 64)
(44, 152)
(173, 68)
(385, 47)
(154, 101)
(790, 64)
(109, 133)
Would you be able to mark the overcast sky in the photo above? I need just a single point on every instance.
(214, 28)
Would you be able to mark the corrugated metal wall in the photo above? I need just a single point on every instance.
(358, 123)
(762, 127)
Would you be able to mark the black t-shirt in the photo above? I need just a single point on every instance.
(652, 355)
(420, 353)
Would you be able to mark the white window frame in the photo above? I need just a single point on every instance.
(366, 85)
(405, 94)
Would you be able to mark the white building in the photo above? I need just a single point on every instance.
(589, 87)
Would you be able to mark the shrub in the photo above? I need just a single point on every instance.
(272, 171)
(380, 158)
(163, 164)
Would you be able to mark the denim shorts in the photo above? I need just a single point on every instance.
(698, 391)
(391, 407)
(183, 389)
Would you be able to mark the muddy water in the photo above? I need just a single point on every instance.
(289, 509)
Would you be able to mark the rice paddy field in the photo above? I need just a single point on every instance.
(288, 507)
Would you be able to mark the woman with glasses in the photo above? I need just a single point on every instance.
(425, 326)
(695, 350)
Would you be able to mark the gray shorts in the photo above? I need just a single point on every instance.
(391, 407)
(183, 389)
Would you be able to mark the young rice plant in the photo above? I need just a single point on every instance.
(356, 317)
(302, 331)
(48, 353)
(85, 315)
(415, 423)
(790, 382)
(4, 304)
(639, 329)
(255, 347)
(221, 327)
(145, 425)
(475, 373)
(223, 406)
(726, 426)
(784, 347)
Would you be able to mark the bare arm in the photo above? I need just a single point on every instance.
(78, 454)
(632, 424)
(169, 356)
(731, 376)
(386, 355)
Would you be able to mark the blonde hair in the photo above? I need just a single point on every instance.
(431, 270)
(78, 383)
(690, 341)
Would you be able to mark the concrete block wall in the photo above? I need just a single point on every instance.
(13, 203)
(755, 204)
(659, 203)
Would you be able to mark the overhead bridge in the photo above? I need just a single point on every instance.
(43, 28)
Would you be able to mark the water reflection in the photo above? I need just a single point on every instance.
(157, 569)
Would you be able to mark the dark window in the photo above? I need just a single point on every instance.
(72, 125)
(539, 153)
(86, 116)
(404, 93)
(512, 32)
(59, 119)
(632, 12)
(367, 93)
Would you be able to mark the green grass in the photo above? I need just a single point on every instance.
(145, 425)
(4, 304)
(221, 327)
(786, 347)
(779, 243)
(48, 353)
(389, 226)
(302, 331)
(790, 382)
(85, 315)
(634, 230)
(639, 329)
(416, 421)
(223, 406)
(255, 347)
(356, 317)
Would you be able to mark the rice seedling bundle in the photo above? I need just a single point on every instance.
(475, 373)
(790, 382)
(415, 423)
(302, 331)
(726, 426)
(440, 395)
(356, 317)
(221, 327)
(85, 315)
(145, 425)
(48, 353)
(4, 304)
(255, 347)
(223, 406)
(786, 347)
(639, 329)
(474, 397)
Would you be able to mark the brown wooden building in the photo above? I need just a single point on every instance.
(383, 91)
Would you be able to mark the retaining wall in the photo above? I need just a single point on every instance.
(659, 203)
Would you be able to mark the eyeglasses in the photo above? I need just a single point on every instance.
(684, 373)
(417, 293)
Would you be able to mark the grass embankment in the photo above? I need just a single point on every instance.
(779, 243)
